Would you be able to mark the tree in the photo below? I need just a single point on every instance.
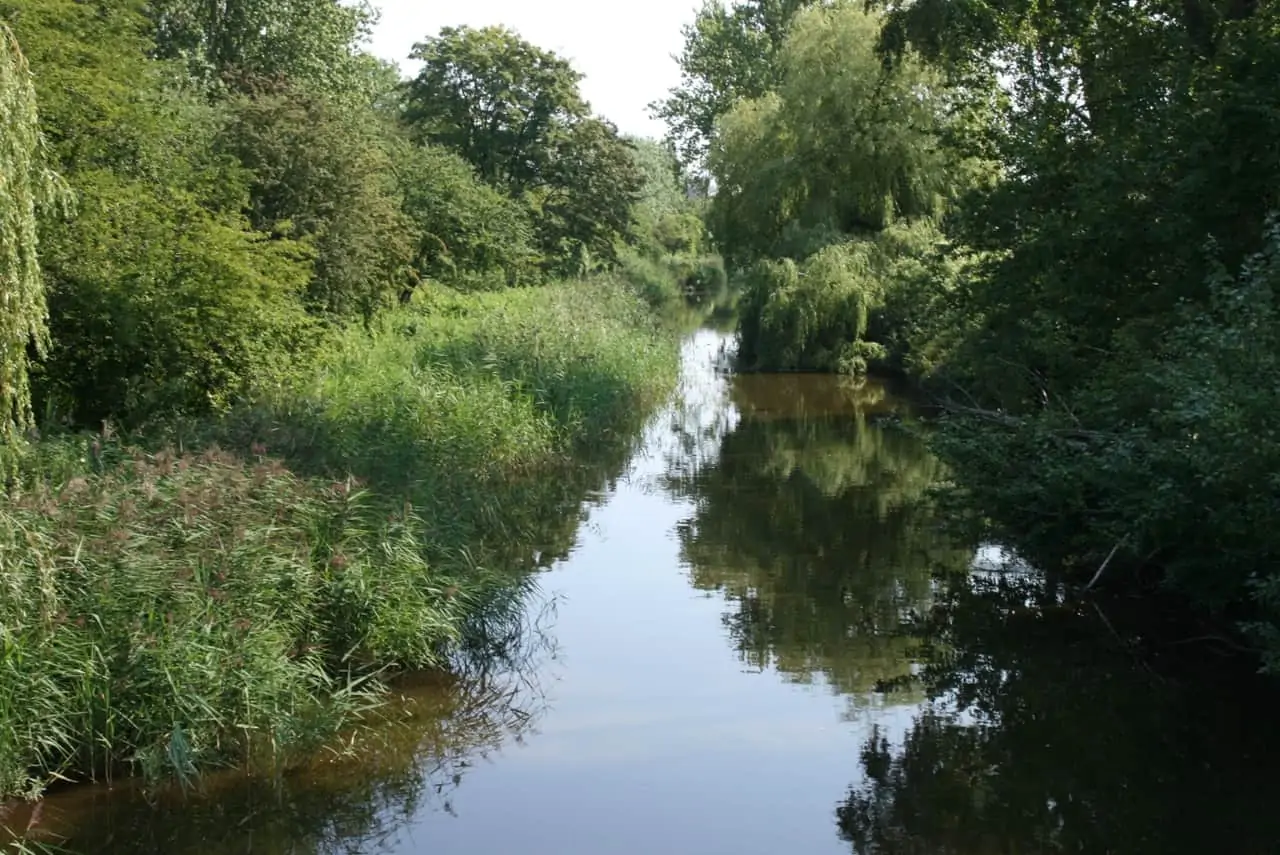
(666, 219)
(162, 297)
(729, 55)
(586, 207)
(1124, 254)
(324, 174)
(469, 235)
(497, 100)
(514, 112)
(843, 146)
(24, 181)
(313, 44)
(828, 192)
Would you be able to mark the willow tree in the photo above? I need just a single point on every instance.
(22, 181)
(843, 146)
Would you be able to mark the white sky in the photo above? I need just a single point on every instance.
(623, 48)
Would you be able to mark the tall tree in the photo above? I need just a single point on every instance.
(586, 208)
(729, 55)
(497, 100)
(513, 110)
(313, 44)
(23, 180)
(667, 221)
(324, 174)
(161, 295)
(842, 146)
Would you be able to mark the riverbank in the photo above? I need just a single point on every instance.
(764, 593)
(232, 591)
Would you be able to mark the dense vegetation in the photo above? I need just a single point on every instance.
(1062, 219)
(295, 356)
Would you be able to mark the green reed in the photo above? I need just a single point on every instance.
(166, 611)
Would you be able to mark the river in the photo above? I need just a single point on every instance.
(763, 642)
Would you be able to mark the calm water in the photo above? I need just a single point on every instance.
(760, 644)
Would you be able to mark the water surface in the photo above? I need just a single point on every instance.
(758, 644)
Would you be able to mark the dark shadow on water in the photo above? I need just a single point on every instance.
(1052, 727)
(1042, 724)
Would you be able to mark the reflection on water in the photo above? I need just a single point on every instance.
(1050, 727)
(811, 519)
(764, 643)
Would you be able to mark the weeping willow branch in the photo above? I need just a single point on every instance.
(24, 183)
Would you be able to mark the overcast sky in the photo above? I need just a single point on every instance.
(623, 48)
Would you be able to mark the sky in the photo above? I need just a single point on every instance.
(623, 48)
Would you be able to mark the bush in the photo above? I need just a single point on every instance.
(470, 235)
(322, 172)
(158, 306)
(654, 279)
(1167, 457)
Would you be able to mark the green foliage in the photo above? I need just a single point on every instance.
(585, 209)
(22, 181)
(162, 297)
(470, 235)
(311, 44)
(661, 192)
(840, 147)
(323, 174)
(845, 308)
(666, 221)
(214, 608)
(1172, 461)
(729, 55)
(841, 172)
(458, 400)
(161, 307)
(495, 99)
(514, 112)
(1098, 339)
(176, 612)
(238, 170)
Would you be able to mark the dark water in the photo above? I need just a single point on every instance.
(762, 643)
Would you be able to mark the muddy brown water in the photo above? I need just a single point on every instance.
(763, 642)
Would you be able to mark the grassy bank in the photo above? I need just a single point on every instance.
(232, 590)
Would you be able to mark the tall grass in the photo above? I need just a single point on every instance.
(182, 611)
(167, 611)
(464, 405)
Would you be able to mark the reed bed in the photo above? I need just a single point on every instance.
(234, 592)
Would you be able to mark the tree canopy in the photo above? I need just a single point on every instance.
(1060, 219)
(514, 111)
(729, 55)
(497, 100)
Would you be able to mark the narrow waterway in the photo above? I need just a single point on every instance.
(721, 664)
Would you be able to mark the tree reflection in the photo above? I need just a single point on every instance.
(811, 517)
(1048, 731)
